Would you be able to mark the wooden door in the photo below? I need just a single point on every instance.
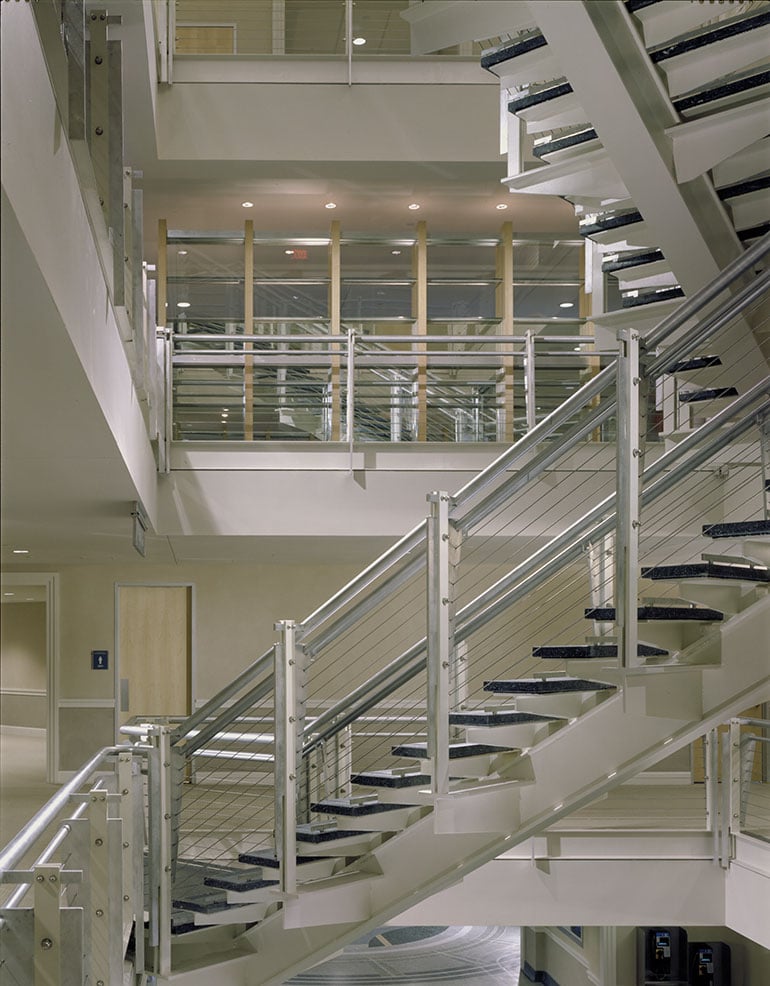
(154, 650)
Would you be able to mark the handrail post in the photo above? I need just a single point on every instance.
(286, 755)
(734, 777)
(106, 903)
(47, 918)
(160, 825)
(439, 611)
(351, 392)
(711, 778)
(628, 458)
(726, 805)
(529, 379)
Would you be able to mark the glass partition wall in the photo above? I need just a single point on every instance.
(369, 339)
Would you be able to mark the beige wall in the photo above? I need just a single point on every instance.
(23, 678)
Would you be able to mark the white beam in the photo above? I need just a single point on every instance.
(701, 144)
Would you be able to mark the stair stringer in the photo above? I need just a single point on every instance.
(602, 749)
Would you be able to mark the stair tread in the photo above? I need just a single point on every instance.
(241, 881)
(202, 902)
(306, 833)
(707, 569)
(707, 394)
(268, 858)
(546, 686)
(710, 34)
(551, 146)
(752, 78)
(609, 221)
(342, 806)
(512, 49)
(740, 528)
(695, 363)
(499, 718)
(628, 261)
(637, 298)
(561, 652)
(387, 778)
(663, 613)
(456, 750)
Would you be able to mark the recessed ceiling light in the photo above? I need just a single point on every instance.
(9, 593)
(183, 304)
(330, 205)
(396, 253)
(247, 205)
(501, 205)
(414, 205)
(21, 551)
(359, 41)
(289, 253)
(182, 253)
(566, 304)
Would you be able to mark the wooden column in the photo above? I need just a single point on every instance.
(335, 327)
(420, 315)
(504, 311)
(248, 330)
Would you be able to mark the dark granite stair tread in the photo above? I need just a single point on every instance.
(320, 836)
(709, 394)
(604, 223)
(561, 143)
(634, 5)
(182, 922)
(512, 49)
(695, 363)
(753, 232)
(745, 187)
(577, 651)
(630, 260)
(340, 806)
(544, 95)
(499, 718)
(651, 297)
(546, 686)
(203, 902)
(738, 528)
(457, 751)
(386, 778)
(241, 881)
(753, 79)
(662, 613)
(269, 859)
(708, 569)
(702, 37)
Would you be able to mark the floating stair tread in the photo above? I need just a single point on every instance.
(203, 902)
(737, 529)
(696, 363)
(709, 394)
(457, 751)
(519, 47)
(707, 569)
(319, 836)
(637, 298)
(603, 223)
(499, 718)
(753, 79)
(342, 806)
(664, 613)
(546, 686)
(711, 34)
(746, 187)
(183, 922)
(630, 260)
(392, 779)
(582, 651)
(240, 881)
(544, 95)
(753, 232)
(562, 143)
(269, 859)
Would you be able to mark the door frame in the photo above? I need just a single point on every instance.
(50, 581)
(192, 667)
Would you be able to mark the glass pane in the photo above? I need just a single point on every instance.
(461, 281)
(205, 282)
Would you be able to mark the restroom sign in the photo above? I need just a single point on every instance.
(100, 660)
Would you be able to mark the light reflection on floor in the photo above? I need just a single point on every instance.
(471, 956)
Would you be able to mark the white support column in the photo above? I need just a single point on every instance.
(438, 600)
(47, 940)
(627, 528)
(608, 959)
(286, 755)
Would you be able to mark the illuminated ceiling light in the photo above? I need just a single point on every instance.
(414, 205)
(247, 205)
(182, 253)
(21, 551)
(330, 205)
(9, 593)
(289, 253)
(183, 304)
(396, 253)
(566, 304)
(359, 41)
(501, 205)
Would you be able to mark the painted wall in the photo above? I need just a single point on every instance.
(23, 664)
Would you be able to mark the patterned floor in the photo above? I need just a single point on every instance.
(416, 956)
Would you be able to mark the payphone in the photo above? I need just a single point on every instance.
(662, 956)
(708, 963)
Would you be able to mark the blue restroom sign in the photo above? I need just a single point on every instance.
(100, 660)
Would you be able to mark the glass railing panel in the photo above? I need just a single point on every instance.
(205, 277)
